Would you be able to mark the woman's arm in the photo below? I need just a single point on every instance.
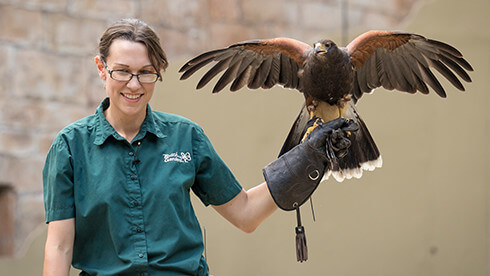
(249, 208)
(59, 247)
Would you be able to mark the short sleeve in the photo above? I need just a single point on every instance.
(58, 182)
(215, 183)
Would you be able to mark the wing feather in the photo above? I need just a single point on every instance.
(295, 79)
(191, 69)
(407, 79)
(439, 66)
(229, 75)
(203, 58)
(385, 72)
(432, 81)
(356, 90)
(261, 73)
(398, 74)
(445, 47)
(286, 71)
(242, 75)
(363, 81)
(274, 72)
(462, 62)
(255, 63)
(216, 69)
(372, 78)
(454, 66)
(403, 62)
(417, 76)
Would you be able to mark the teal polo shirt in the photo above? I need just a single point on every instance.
(131, 201)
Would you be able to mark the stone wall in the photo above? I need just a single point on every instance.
(48, 79)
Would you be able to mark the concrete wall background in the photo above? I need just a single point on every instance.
(426, 212)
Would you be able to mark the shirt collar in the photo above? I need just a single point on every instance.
(104, 129)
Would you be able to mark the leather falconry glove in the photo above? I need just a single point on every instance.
(294, 176)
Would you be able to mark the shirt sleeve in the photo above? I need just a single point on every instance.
(215, 183)
(58, 182)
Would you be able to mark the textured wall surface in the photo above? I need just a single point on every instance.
(47, 76)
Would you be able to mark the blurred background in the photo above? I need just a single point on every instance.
(426, 212)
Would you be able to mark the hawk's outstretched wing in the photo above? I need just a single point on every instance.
(401, 61)
(254, 63)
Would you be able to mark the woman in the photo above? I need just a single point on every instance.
(116, 183)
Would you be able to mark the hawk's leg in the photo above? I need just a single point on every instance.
(341, 111)
(317, 120)
(321, 112)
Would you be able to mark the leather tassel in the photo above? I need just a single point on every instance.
(301, 247)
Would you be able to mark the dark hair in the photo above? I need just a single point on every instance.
(138, 31)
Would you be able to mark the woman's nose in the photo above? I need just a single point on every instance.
(134, 83)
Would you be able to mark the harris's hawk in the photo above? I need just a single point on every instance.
(334, 78)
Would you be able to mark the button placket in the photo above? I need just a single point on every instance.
(137, 217)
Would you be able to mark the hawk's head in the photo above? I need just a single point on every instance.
(324, 46)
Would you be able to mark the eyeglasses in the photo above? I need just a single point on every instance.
(120, 75)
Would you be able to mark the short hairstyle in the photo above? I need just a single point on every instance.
(137, 31)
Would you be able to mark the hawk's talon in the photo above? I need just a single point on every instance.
(318, 121)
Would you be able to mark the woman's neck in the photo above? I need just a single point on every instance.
(128, 126)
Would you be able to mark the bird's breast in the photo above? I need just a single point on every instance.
(328, 80)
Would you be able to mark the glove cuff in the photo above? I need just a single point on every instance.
(294, 176)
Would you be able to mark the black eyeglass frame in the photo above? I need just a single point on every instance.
(132, 75)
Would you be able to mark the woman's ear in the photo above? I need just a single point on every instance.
(100, 68)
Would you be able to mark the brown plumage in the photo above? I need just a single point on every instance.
(333, 78)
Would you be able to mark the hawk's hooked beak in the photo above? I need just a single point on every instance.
(319, 48)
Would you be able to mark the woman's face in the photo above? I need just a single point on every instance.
(127, 98)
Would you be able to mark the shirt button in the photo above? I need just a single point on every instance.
(140, 255)
(131, 153)
(139, 230)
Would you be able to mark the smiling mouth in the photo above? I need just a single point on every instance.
(132, 96)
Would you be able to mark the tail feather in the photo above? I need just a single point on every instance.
(363, 154)
(297, 131)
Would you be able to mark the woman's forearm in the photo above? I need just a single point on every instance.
(59, 248)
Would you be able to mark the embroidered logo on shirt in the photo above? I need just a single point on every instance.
(183, 157)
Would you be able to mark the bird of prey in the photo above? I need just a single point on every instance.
(334, 78)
